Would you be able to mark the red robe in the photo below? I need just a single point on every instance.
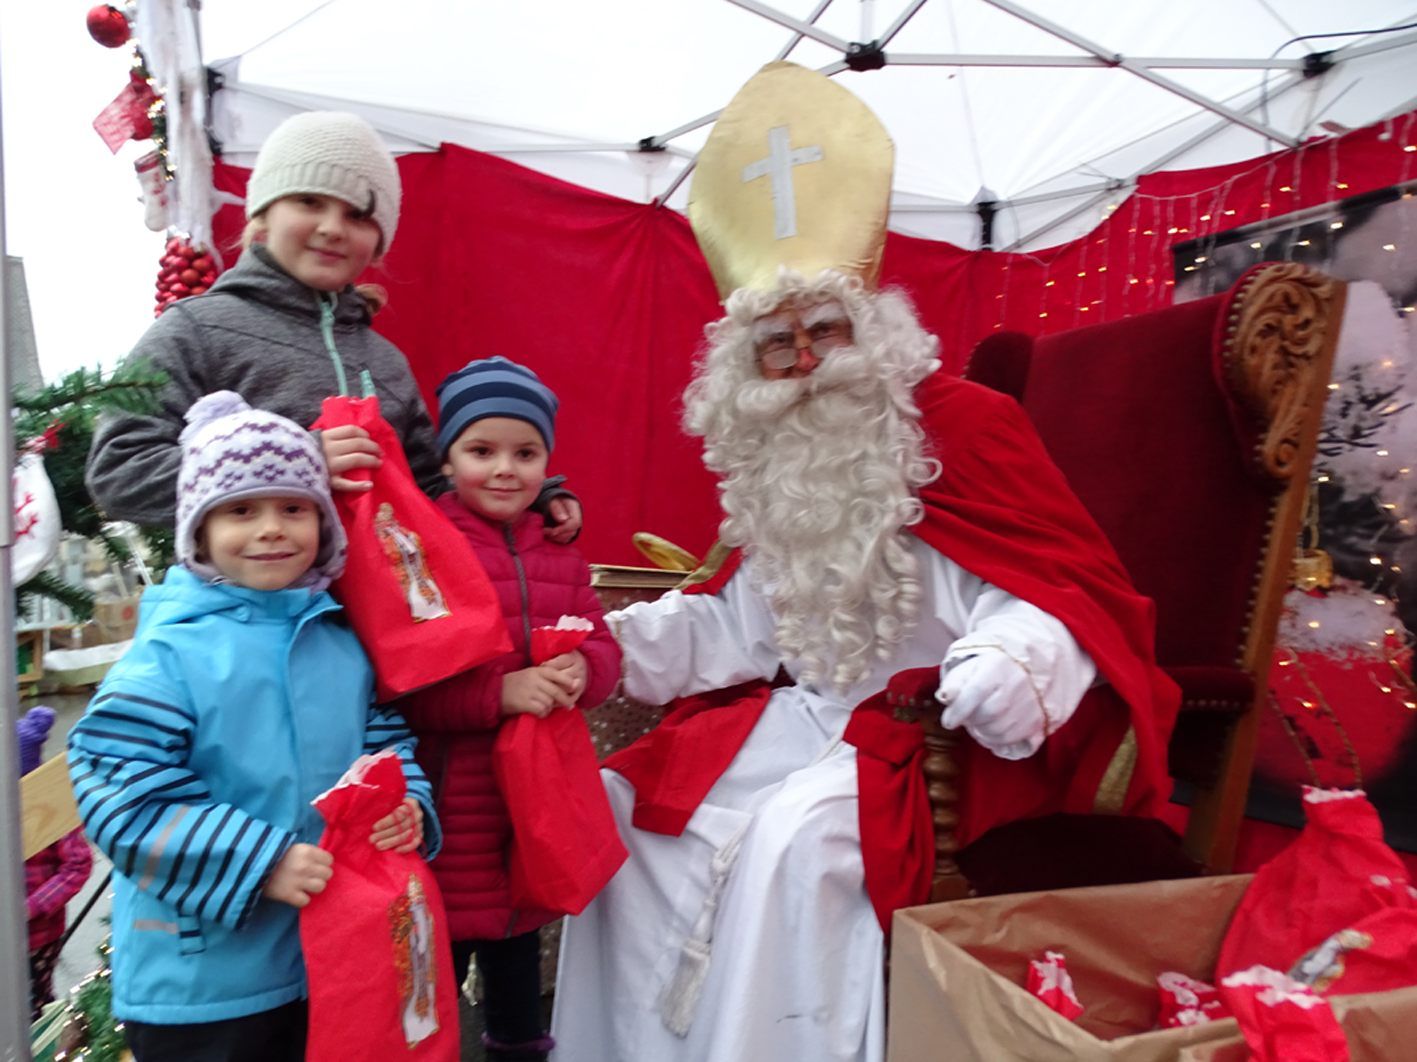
(1001, 510)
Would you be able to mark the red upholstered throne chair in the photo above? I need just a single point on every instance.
(1188, 433)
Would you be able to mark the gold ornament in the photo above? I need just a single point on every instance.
(1313, 570)
(796, 173)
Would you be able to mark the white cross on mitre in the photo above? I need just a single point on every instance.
(778, 166)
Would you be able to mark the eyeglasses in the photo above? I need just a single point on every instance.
(780, 349)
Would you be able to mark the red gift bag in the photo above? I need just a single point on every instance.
(376, 945)
(412, 585)
(565, 846)
(1336, 911)
(1338, 872)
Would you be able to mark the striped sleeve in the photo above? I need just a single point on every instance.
(386, 729)
(155, 818)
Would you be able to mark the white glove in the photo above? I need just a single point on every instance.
(993, 697)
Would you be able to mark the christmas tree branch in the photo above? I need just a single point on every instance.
(75, 598)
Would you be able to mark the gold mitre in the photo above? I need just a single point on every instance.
(797, 173)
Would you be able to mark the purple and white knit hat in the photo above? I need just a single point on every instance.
(231, 451)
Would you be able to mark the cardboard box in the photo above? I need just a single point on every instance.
(958, 971)
(116, 618)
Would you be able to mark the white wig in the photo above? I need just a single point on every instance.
(820, 474)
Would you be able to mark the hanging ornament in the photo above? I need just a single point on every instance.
(1342, 699)
(36, 518)
(152, 180)
(108, 26)
(184, 270)
(1313, 567)
(129, 116)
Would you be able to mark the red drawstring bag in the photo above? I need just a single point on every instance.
(413, 587)
(1336, 911)
(1338, 872)
(565, 846)
(376, 946)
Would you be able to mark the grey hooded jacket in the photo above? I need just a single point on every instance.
(256, 332)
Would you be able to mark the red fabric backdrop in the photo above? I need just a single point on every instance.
(607, 299)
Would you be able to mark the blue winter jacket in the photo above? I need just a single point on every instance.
(194, 769)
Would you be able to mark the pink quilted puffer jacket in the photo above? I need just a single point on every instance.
(456, 720)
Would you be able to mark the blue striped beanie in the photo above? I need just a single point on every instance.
(494, 387)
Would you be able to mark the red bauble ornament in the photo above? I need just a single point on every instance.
(108, 26)
(180, 272)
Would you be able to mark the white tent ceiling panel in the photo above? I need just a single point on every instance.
(565, 86)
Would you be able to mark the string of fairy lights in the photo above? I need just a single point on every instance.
(1141, 249)
(1150, 250)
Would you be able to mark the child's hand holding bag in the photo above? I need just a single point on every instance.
(377, 953)
(413, 587)
(565, 846)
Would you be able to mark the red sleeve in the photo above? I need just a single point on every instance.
(471, 700)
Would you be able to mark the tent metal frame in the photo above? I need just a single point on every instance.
(1096, 57)
(870, 53)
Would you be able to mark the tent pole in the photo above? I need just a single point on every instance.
(804, 28)
(1131, 66)
(1195, 141)
(796, 38)
(14, 931)
(1093, 61)
(899, 23)
(1382, 44)
(679, 179)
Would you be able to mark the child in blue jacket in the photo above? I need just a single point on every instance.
(243, 697)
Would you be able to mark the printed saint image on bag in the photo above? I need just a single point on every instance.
(404, 549)
(376, 945)
(413, 939)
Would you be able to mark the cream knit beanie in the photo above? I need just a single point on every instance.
(328, 153)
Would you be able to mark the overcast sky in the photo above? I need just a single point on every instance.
(72, 210)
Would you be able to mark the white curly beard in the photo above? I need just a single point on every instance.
(820, 475)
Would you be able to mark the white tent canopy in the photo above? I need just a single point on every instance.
(1050, 108)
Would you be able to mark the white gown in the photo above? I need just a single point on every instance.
(797, 963)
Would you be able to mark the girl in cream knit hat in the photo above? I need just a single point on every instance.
(286, 327)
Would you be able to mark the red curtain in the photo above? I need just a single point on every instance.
(607, 299)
